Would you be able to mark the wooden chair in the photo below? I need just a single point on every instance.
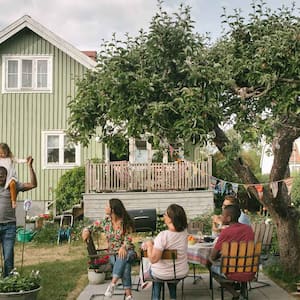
(195, 226)
(263, 233)
(167, 254)
(239, 263)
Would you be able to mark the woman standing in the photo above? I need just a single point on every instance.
(117, 227)
(175, 237)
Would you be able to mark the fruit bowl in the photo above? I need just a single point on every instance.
(191, 240)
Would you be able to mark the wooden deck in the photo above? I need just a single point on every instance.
(122, 176)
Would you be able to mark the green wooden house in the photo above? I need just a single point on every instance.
(38, 76)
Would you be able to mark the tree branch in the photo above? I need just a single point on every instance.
(250, 92)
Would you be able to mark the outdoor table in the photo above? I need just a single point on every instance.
(198, 254)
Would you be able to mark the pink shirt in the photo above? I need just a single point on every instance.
(163, 269)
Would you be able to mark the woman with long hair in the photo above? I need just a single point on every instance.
(118, 226)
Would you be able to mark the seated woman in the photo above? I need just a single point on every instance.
(117, 226)
(175, 237)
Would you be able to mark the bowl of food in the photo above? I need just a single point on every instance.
(191, 240)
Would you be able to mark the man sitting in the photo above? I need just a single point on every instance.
(235, 231)
(217, 225)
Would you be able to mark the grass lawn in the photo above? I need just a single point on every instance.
(63, 268)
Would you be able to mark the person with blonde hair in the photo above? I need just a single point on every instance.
(7, 161)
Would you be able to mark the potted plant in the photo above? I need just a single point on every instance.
(20, 287)
(98, 268)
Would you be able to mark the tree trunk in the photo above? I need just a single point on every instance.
(284, 216)
(289, 243)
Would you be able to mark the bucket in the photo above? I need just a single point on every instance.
(24, 236)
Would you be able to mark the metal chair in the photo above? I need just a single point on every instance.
(167, 254)
(239, 263)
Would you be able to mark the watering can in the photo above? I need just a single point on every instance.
(24, 235)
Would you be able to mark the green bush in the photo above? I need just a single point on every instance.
(70, 189)
(47, 234)
(295, 193)
(207, 222)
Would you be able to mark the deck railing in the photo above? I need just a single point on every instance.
(123, 176)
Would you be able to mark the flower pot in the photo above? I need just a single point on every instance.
(95, 277)
(25, 295)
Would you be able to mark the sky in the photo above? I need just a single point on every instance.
(86, 23)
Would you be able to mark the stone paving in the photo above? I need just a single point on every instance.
(199, 290)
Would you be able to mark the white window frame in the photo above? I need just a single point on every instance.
(60, 164)
(34, 88)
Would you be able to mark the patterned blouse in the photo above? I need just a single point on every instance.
(116, 238)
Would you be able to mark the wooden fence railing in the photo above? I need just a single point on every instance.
(122, 176)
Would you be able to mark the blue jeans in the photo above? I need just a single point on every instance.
(7, 238)
(122, 269)
(156, 290)
(157, 286)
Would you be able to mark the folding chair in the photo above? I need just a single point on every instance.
(239, 263)
(167, 254)
(194, 227)
(263, 233)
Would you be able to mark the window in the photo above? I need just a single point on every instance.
(58, 151)
(27, 74)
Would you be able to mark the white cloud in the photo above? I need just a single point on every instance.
(85, 23)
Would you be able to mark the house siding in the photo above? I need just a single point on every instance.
(195, 203)
(24, 116)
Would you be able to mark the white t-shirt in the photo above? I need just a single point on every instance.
(163, 269)
(8, 164)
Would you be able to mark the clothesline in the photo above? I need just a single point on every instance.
(251, 184)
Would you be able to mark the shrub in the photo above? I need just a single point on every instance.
(47, 234)
(295, 193)
(70, 189)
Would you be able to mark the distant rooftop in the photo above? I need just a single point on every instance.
(91, 54)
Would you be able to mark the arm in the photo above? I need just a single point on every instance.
(33, 182)
(154, 255)
(216, 221)
(215, 254)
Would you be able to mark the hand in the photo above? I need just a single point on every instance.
(29, 161)
(148, 244)
(85, 234)
(122, 253)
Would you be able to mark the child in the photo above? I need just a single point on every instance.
(7, 160)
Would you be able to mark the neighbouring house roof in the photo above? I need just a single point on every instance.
(91, 54)
(295, 156)
(27, 21)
